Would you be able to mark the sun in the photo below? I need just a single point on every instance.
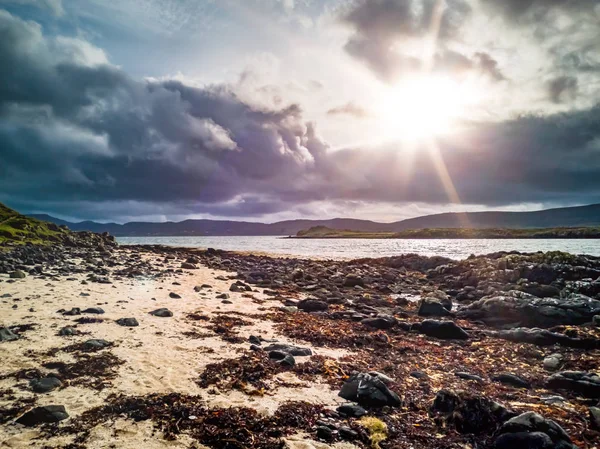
(424, 107)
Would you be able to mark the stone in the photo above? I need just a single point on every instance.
(353, 280)
(511, 379)
(418, 375)
(368, 390)
(351, 411)
(441, 329)
(346, 433)
(531, 423)
(74, 311)
(313, 305)
(45, 384)
(128, 322)
(579, 382)
(430, 307)
(41, 415)
(255, 340)
(223, 296)
(380, 322)
(7, 335)
(595, 418)
(553, 362)
(469, 376)
(289, 349)
(174, 295)
(188, 266)
(17, 274)
(529, 311)
(67, 331)
(543, 337)
(324, 433)
(163, 313)
(96, 344)
(94, 310)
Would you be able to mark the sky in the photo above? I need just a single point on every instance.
(264, 110)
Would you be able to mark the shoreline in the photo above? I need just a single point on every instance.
(360, 317)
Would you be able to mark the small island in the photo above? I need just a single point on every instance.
(323, 232)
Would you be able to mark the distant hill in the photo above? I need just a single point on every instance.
(19, 229)
(581, 216)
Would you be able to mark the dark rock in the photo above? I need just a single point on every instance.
(96, 344)
(585, 384)
(163, 313)
(94, 310)
(368, 390)
(255, 340)
(512, 380)
(324, 433)
(289, 349)
(128, 322)
(529, 423)
(430, 307)
(469, 376)
(524, 440)
(543, 337)
(441, 329)
(313, 305)
(351, 411)
(380, 322)
(353, 280)
(469, 413)
(530, 311)
(17, 274)
(41, 415)
(67, 331)
(7, 335)
(74, 311)
(174, 295)
(223, 296)
(346, 433)
(188, 266)
(595, 418)
(418, 375)
(45, 384)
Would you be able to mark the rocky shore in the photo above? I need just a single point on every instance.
(129, 346)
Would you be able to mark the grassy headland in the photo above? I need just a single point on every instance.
(19, 229)
(322, 232)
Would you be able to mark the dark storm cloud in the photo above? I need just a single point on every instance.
(79, 135)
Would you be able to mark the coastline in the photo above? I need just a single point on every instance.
(195, 356)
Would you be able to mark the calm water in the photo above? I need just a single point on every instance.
(355, 248)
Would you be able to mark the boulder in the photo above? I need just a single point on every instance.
(380, 322)
(353, 280)
(128, 322)
(511, 379)
(543, 337)
(524, 431)
(553, 362)
(163, 313)
(595, 418)
(351, 411)
(94, 310)
(41, 415)
(67, 331)
(96, 344)
(529, 311)
(430, 307)
(289, 349)
(579, 382)
(74, 311)
(441, 329)
(174, 295)
(313, 305)
(368, 390)
(45, 384)
(17, 274)
(188, 266)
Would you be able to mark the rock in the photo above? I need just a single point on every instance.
(313, 305)
(512, 380)
(45, 384)
(174, 295)
(351, 411)
(380, 322)
(128, 322)
(418, 375)
(289, 309)
(74, 311)
(188, 266)
(530, 311)
(596, 320)
(94, 310)
(96, 344)
(324, 433)
(353, 280)
(553, 362)
(368, 390)
(163, 313)
(543, 337)
(67, 331)
(346, 433)
(289, 349)
(522, 428)
(223, 296)
(585, 384)
(17, 274)
(41, 415)
(430, 307)
(255, 340)
(441, 329)
(7, 335)
(595, 418)
(469, 413)
(469, 376)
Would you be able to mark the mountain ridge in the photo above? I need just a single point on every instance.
(577, 216)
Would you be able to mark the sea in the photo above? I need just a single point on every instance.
(359, 248)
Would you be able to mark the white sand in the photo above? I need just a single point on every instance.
(164, 363)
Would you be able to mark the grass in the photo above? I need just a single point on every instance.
(376, 428)
(19, 229)
(323, 232)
